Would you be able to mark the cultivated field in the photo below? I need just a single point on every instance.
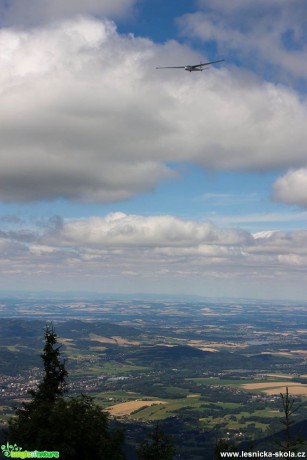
(127, 408)
(273, 388)
(115, 340)
(297, 390)
(263, 385)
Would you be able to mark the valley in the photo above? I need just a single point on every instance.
(203, 370)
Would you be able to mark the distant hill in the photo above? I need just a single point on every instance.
(76, 329)
(270, 443)
(21, 344)
(22, 340)
(186, 355)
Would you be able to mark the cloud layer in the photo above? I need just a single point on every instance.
(85, 115)
(133, 250)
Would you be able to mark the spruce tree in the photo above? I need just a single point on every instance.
(26, 427)
(74, 426)
(54, 381)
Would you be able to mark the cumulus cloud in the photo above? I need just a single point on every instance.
(292, 188)
(121, 230)
(33, 12)
(119, 248)
(85, 115)
(171, 236)
(264, 33)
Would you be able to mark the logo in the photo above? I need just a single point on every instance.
(13, 451)
(8, 449)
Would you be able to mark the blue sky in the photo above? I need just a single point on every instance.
(115, 176)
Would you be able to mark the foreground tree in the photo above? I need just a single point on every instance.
(54, 381)
(289, 441)
(159, 446)
(26, 428)
(76, 427)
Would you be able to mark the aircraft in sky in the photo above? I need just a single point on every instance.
(192, 68)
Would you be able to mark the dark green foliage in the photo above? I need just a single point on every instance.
(224, 446)
(158, 446)
(54, 382)
(87, 433)
(31, 417)
(76, 427)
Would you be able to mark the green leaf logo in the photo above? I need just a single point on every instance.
(8, 448)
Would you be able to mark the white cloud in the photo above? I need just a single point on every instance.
(33, 12)
(121, 230)
(264, 33)
(85, 115)
(169, 236)
(292, 188)
(156, 251)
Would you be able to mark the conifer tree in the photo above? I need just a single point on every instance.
(54, 381)
(288, 440)
(32, 416)
(74, 426)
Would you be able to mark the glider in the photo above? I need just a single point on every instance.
(191, 68)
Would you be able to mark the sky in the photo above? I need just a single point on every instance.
(118, 177)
